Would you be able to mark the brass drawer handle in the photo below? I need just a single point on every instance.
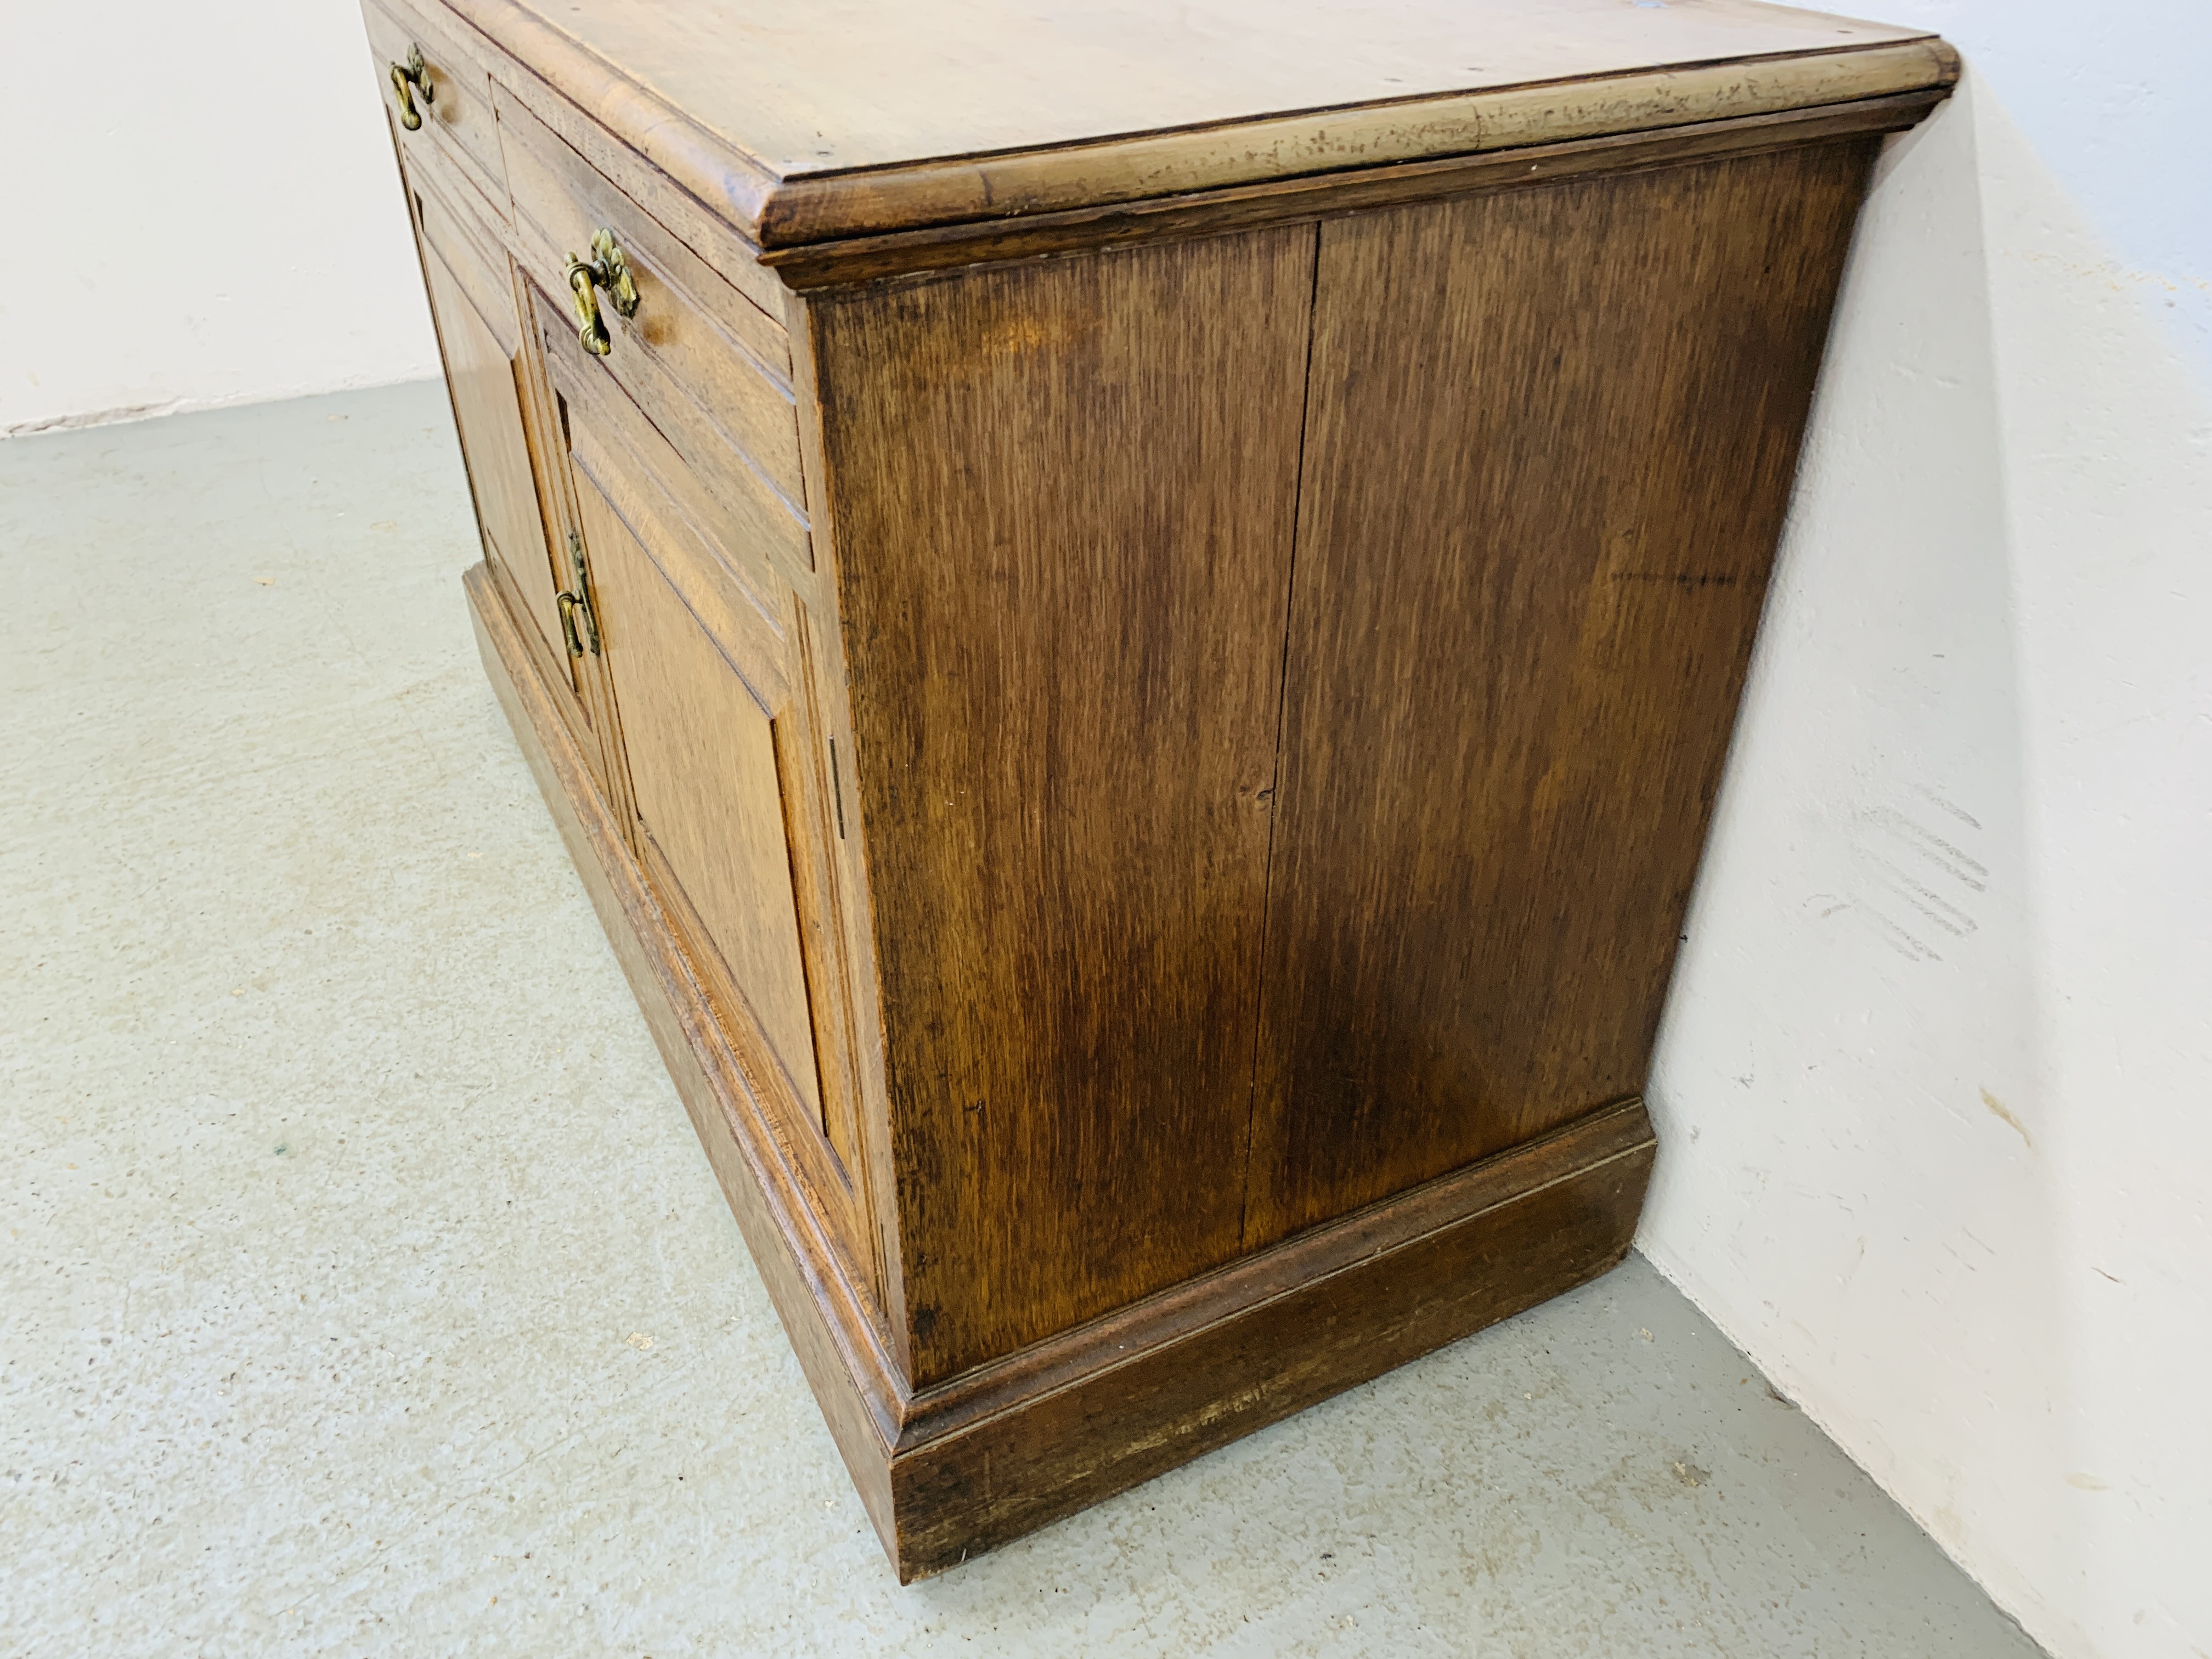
(408, 78)
(607, 268)
(575, 602)
(567, 602)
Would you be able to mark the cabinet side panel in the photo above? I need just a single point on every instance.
(1064, 495)
(1551, 436)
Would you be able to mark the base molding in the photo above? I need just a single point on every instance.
(1053, 1429)
(1011, 1446)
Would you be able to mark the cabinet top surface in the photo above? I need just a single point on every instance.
(812, 91)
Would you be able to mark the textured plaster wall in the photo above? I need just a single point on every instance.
(201, 210)
(1933, 1085)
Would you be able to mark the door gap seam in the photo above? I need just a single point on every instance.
(1282, 715)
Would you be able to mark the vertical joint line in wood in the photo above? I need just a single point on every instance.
(803, 910)
(837, 788)
(1282, 711)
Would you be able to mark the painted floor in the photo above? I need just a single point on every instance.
(364, 1290)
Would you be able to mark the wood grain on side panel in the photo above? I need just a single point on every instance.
(1064, 495)
(1014, 1445)
(1550, 439)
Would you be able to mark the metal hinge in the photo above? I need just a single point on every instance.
(575, 602)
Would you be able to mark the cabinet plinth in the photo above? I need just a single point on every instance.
(1137, 675)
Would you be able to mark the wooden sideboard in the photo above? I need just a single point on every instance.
(1133, 615)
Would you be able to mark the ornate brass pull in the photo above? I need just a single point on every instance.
(607, 268)
(407, 79)
(575, 604)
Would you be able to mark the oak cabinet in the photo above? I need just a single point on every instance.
(1135, 640)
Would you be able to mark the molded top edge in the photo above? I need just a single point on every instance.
(807, 122)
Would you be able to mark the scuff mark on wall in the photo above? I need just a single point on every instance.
(2000, 1110)
(1912, 880)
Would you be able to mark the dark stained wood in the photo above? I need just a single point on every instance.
(1063, 495)
(751, 512)
(1551, 436)
(737, 545)
(564, 109)
(1015, 1446)
(718, 350)
(826, 655)
(1161, 1322)
(803, 124)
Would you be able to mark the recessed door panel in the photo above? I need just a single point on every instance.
(702, 747)
(483, 374)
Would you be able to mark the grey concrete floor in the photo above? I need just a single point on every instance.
(364, 1290)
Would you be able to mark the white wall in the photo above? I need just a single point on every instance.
(201, 209)
(1934, 1087)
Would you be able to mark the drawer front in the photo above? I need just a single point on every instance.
(747, 614)
(459, 127)
(696, 356)
(732, 258)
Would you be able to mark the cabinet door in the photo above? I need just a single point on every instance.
(734, 804)
(499, 411)
(473, 302)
